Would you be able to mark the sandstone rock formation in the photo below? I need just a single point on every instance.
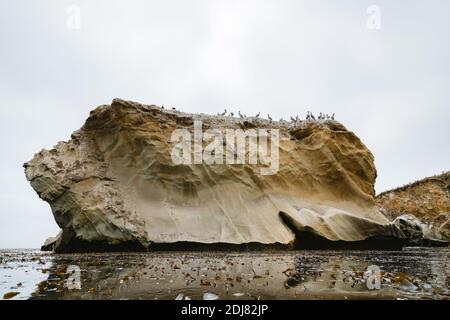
(114, 185)
(428, 200)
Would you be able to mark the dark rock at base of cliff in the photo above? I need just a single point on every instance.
(417, 232)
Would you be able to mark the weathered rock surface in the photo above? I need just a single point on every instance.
(51, 243)
(427, 200)
(417, 232)
(114, 185)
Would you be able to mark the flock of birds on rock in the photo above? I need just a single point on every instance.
(309, 116)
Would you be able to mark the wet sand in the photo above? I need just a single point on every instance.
(413, 273)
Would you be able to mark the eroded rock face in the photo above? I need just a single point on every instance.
(417, 232)
(428, 200)
(114, 185)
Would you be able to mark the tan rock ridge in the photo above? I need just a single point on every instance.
(113, 185)
(427, 199)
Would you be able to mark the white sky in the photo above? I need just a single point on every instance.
(283, 57)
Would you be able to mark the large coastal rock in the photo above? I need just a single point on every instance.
(114, 185)
(428, 200)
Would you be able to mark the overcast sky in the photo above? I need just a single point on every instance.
(389, 85)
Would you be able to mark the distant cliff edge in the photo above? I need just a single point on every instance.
(428, 200)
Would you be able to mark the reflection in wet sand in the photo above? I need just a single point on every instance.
(414, 273)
